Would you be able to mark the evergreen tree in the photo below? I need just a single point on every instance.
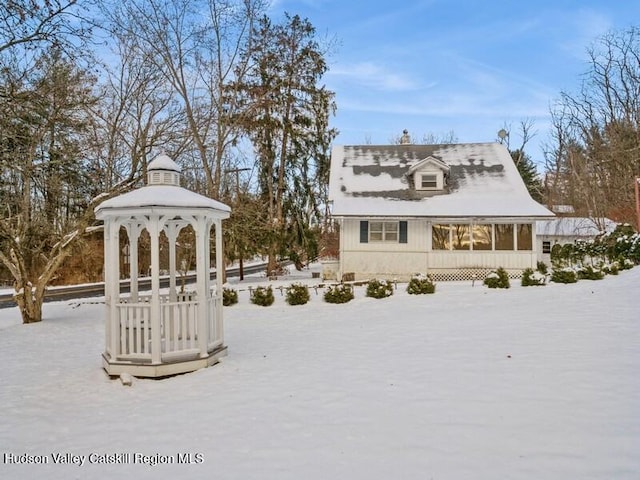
(287, 120)
(529, 174)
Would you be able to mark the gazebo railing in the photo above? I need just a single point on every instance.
(135, 330)
(178, 330)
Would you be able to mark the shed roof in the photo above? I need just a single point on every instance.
(575, 227)
(371, 180)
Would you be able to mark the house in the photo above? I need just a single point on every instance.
(455, 211)
(564, 230)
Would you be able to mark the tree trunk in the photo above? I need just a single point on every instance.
(29, 300)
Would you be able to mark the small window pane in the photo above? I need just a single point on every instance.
(391, 231)
(375, 231)
(461, 237)
(504, 237)
(429, 181)
(482, 237)
(440, 237)
(546, 247)
(525, 236)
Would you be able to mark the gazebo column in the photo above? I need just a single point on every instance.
(133, 231)
(171, 231)
(203, 280)
(220, 273)
(112, 284)
(153, 227)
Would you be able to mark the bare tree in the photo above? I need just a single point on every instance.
(196, 46)
(600, 129)
(46, 189)
(30, 24)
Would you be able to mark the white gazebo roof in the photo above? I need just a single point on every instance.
(163, 191)
(165, 196)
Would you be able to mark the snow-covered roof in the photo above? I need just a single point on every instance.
(165, 196)
(163, 162)
(371, 180)
(161, 192)
(575, 227)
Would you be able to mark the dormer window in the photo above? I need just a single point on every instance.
(429, 182)
(428, 174)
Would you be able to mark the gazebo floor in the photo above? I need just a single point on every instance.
(115, 367)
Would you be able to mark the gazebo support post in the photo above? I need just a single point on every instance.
(220, 268)
(202, 254)
(112, 279)
(171, 231)
(156, 338)
(133, 232)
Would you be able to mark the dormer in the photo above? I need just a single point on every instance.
(429, 174)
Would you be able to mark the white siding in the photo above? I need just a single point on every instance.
(400, 260)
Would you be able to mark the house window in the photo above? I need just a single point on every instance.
(504, 236)
(461, 236)
(429, 182)
(546, 247)
(525, 236)
(383, 231)
(482, 237)
(440, 237)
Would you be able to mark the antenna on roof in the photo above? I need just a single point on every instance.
(502, 133)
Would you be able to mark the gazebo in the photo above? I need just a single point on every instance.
(159, 333)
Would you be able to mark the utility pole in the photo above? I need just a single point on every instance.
(240, 252)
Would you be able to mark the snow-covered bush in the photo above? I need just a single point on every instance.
(626, 264)
(379, 288)
(341, 293)
(611, 268)
(229, 297)
(262, 296)
(497, 279)
(564, 275)
(420, 284)
(623, 243)
(589, 272)
(532, 278)
(297, 294)
(542, 268)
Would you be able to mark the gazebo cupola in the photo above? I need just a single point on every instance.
(157, 333)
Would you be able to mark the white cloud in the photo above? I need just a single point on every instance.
(369, 74)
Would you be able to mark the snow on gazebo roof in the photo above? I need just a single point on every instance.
(371, 180)
(163, 196)
(163, 191)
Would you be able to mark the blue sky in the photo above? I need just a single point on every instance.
(471, 67)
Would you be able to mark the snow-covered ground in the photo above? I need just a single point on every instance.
(469, 383)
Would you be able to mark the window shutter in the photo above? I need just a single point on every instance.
(364, 231)
(403, 232)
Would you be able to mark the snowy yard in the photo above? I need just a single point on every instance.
(469, 383)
